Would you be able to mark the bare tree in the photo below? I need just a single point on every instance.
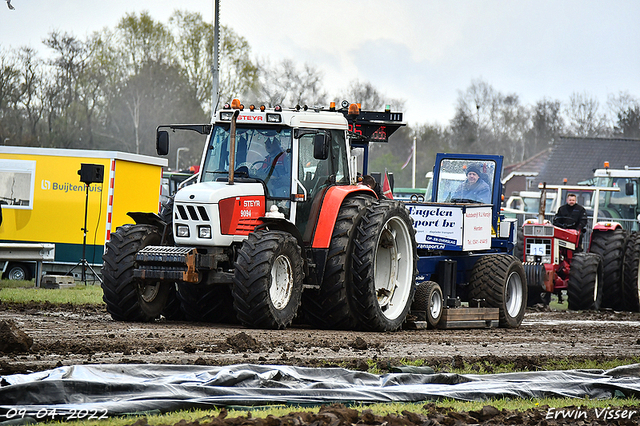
(626, 108)
(583, 118)
(370, 98)
(194, 42)
(286, 84)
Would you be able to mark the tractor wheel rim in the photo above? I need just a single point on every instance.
(281, 282)
(513, 294)
(148, 292)
(436, 304)
(393, 268)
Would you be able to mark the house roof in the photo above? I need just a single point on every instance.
(529, 167)
(576, 158)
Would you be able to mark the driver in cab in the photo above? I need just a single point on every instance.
(275, 167)
(474, 189)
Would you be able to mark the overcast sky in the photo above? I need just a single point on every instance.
(422, 51)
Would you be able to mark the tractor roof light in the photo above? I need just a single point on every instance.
(226, 115)
(274, 118)
(354, 109)
(606, 164)
(235, 104)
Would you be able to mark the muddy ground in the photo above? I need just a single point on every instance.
(67, 335)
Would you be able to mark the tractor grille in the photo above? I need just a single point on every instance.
(191, 212)
(545, 241)
(538, 231)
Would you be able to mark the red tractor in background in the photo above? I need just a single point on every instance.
(555, 261)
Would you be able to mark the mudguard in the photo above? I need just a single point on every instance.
(329, 212)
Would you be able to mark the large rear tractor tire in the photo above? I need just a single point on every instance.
(329, 307)
(128, 298)
(205, 303)
(267, 285)
(611, 246)
(631, 278)
(428, 298)
(500, 280)
(384, 265)
(584, 288)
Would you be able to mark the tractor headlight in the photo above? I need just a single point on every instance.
(204, 231)
(182, 231)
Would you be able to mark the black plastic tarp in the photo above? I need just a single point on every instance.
(128, 388)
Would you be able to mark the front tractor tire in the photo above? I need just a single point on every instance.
(584, 288)
(500, 280)
(267, 285)
(384, 266)
(128, 298)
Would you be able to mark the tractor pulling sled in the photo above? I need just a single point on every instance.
(278, 229)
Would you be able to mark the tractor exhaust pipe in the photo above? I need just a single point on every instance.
(232, 145)
(543, 203)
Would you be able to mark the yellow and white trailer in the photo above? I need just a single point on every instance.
(43, 201)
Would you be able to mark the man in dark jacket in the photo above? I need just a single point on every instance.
(572, 216)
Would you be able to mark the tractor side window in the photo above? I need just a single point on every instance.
(339, 157)
(313, 173)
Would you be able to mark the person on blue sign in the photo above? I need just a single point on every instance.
(474, 189)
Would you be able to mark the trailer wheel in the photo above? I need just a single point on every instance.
(127, 298)
(384, 265)
(584, 288)
(631, 278)
(268, 280)
(207, 303)
(611, 246)
(17, 271)
(329, 307)
(500, 280)
(429, 298)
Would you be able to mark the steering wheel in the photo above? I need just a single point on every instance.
(257, 166)
(565, 222)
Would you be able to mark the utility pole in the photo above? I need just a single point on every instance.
(413, 164)
(215, 63)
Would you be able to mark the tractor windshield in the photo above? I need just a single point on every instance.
(622, 204)
(262, 154)
(465, 181)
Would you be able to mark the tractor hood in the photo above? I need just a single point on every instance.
(213, 192)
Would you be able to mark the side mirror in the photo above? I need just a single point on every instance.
(320, 146)
(628, 188)
(162, 142)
